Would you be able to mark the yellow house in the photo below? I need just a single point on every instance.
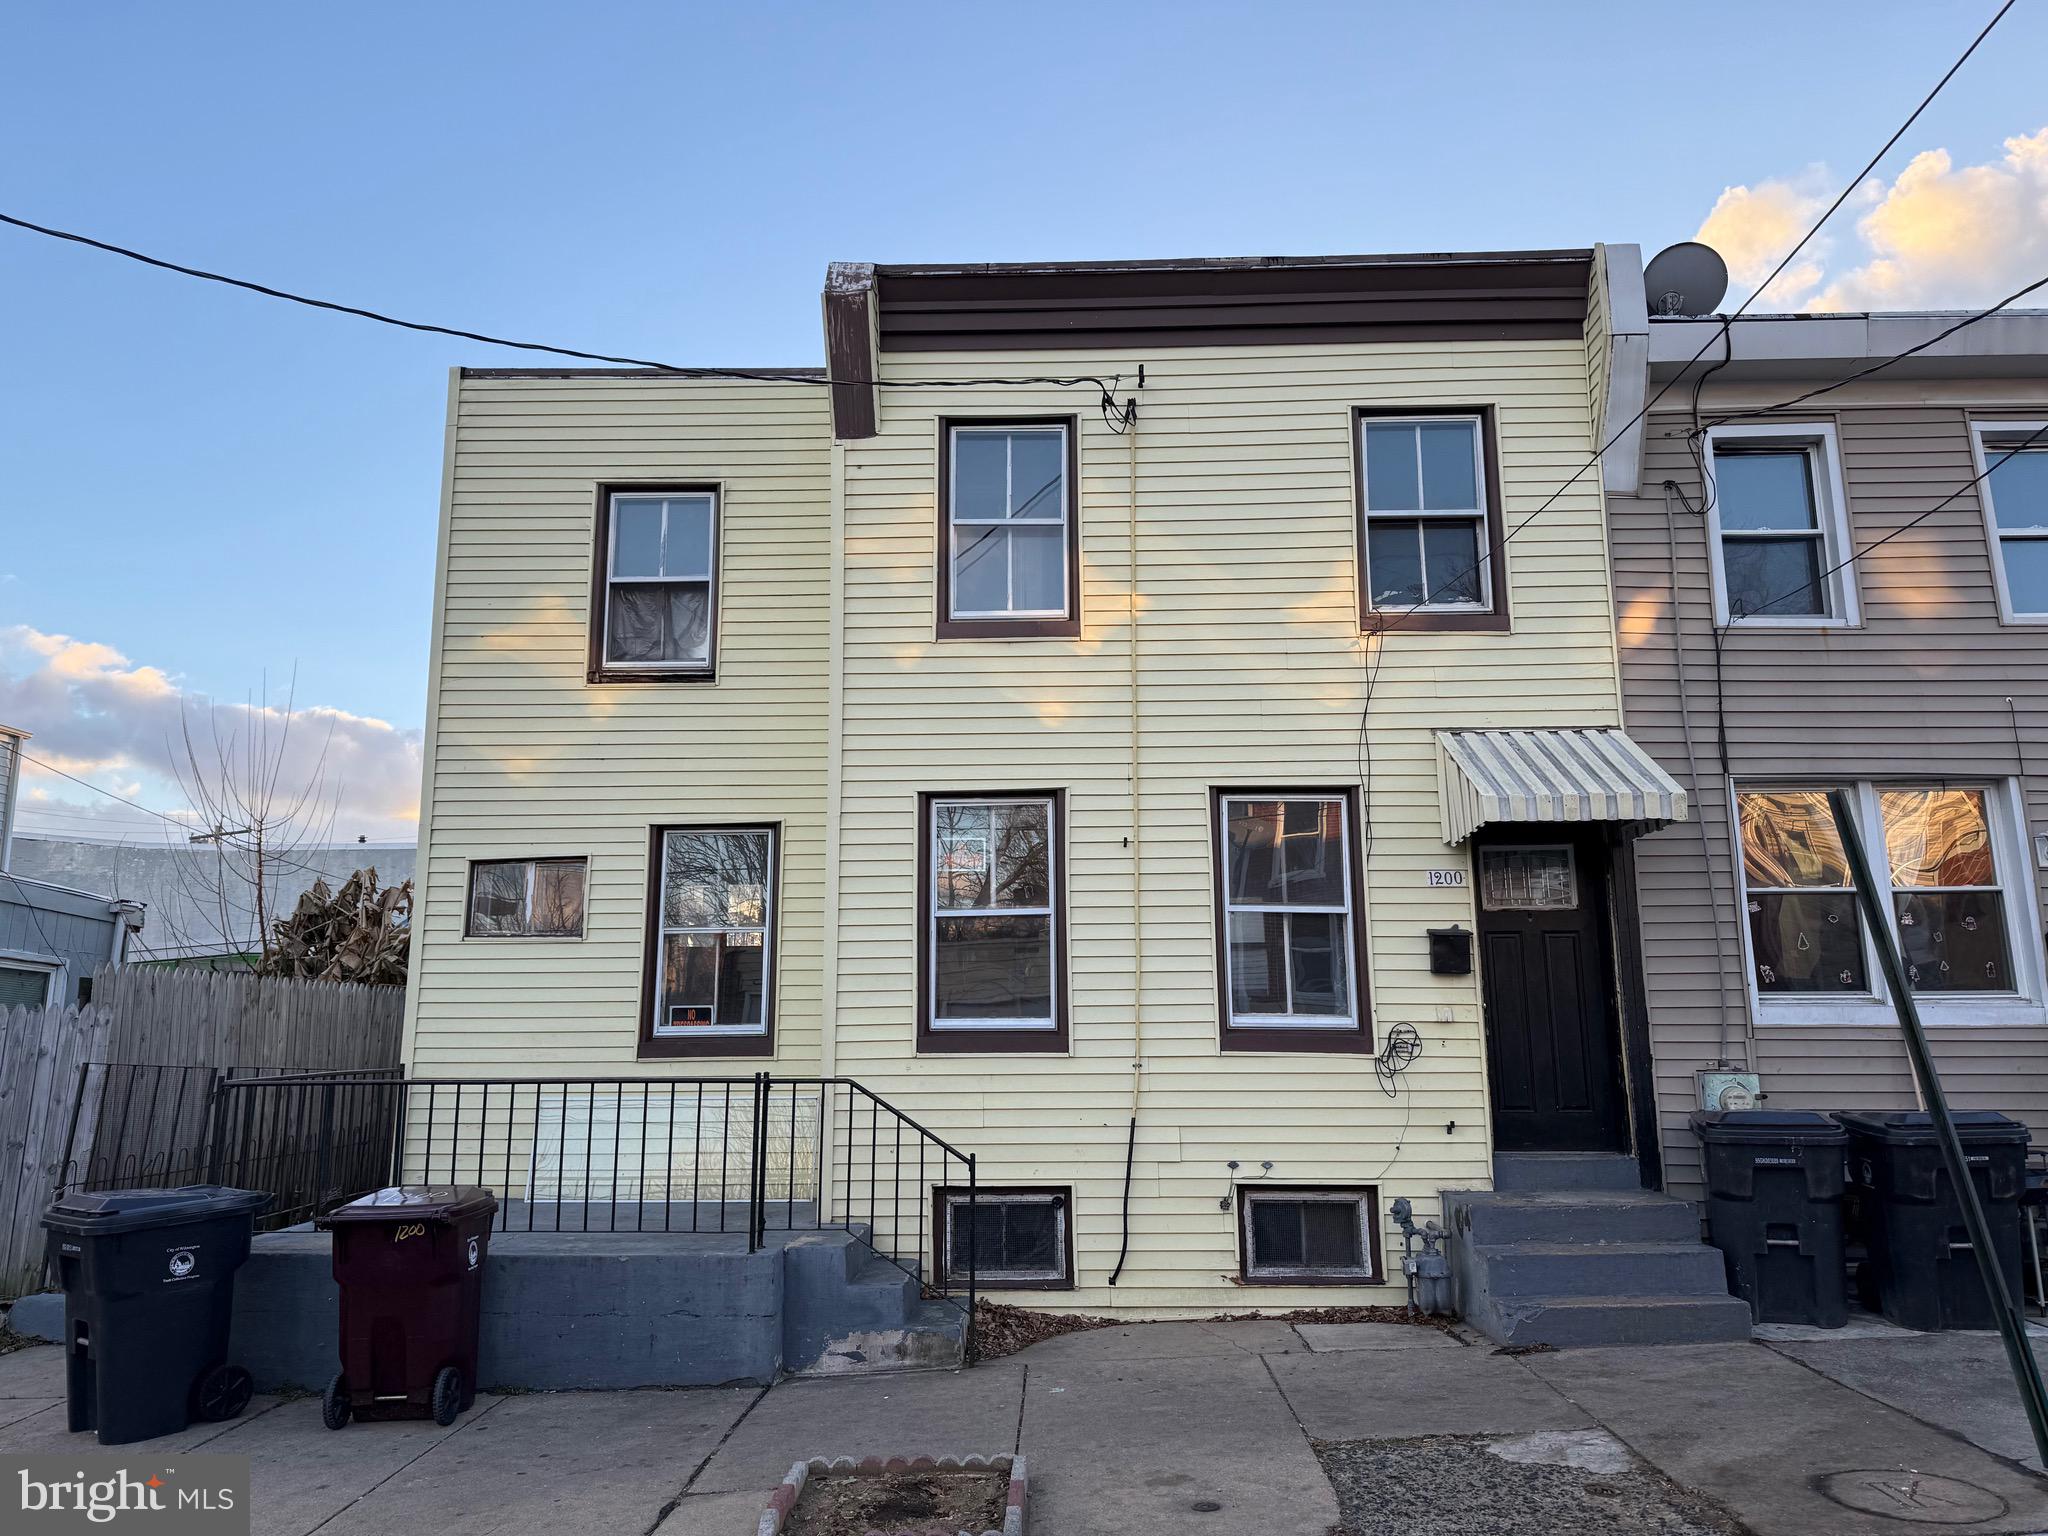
(1153, 725)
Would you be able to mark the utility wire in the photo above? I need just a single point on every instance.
(182, 826)
(1117, 417)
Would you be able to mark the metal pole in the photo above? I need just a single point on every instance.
(973, 1230)
(2012, 1328)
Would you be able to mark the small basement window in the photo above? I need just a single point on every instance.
(1018, 1238)
(1300, 1236)
(526, 899)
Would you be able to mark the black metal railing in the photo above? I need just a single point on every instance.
(754, 1156)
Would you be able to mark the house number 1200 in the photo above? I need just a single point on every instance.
(409, 1229)
(1447, 877)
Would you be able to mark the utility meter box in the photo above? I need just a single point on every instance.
(1722, 1090)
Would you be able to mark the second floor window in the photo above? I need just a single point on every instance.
(2016, 498)
(1427, 539)
(1780, 532)
(1007, 535)
(657, 610)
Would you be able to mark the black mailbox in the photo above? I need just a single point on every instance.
(1450, 951)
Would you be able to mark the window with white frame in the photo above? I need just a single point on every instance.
(526, 899)
(2015, 457)
(715, 932)
(661, 561)
(1936, 846)
(1018, 1238)
(991, 943)
(1780, 533)
(1425, 512)
(1285, 865)
(28, 983)
(1302, 1236)
(1007, 513)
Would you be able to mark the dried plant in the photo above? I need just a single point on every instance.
(359, 933)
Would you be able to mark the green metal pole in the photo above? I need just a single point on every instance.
(2012, 1327)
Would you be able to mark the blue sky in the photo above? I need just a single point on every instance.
(213, 485)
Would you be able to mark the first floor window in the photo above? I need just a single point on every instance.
(714, 932)
(992, 963)
(1306, 1235)
(526, 899)
(1935, 847)
(1018, 1238)
(1285, 864)
(2016, 497)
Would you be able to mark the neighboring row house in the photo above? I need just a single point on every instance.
(1179, 757)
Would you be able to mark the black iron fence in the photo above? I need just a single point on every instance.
(751, 1156)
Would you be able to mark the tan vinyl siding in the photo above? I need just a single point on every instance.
(1919, 689)
(527, 758)
(1253, 675)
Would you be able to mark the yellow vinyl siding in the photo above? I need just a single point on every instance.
(1252, 675)
(525, 757)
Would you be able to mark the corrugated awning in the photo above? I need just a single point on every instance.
(1489, 776)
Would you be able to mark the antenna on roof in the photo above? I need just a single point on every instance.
(1685, 279)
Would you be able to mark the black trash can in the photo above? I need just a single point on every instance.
(410, 1263)
(1921, 1271)
(1775, 1183)
(149, 1288)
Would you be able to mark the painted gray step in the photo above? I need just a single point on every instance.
(1575, 1218)
(1556, 1171)
(1589, 1320)
(1664, 1270)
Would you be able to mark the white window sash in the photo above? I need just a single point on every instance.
(1046, 1024)
(1461, 514)
(1362, 1271)
(1840, 606)
(955, 522)
(766, 928)
(956, 1204)
(1348, 943)
(709, 580)
(1990, 441)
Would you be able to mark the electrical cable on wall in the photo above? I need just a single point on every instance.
(1397, 1053)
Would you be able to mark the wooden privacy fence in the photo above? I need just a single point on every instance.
(117, 1093)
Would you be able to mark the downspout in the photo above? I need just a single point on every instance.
(1137, 857)
(1692, 769)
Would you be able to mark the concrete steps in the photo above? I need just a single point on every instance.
(847, 1310)
(1568, 1248)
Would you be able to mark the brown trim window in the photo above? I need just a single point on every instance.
(711, 931)
(526, 898)
(1430, 543)
(654, 599)
(1021, 1238)
(1290, 1235)
(1009, 534)
(992, 923)
(1289, 927)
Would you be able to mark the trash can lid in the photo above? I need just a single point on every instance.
(1767, 1125)
(1916, 1126)
(97, 1212)
(414, 1202)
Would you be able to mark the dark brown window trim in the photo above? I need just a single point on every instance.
(1370, 1235)
(1493, 620)
(657, 1047)
(1007, 629)
(1060, 1192)
(469, 898)
(992, 1042)
(1353, 1042)
(598, 670)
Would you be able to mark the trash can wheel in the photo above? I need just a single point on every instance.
(447, 1395)
(222, 1393)
(334, 1404)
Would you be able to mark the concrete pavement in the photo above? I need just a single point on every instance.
(1182, 1427)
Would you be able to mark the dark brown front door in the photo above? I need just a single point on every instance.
(1553, 1048)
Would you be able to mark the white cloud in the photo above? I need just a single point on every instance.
(98, 715)
(1935, 237)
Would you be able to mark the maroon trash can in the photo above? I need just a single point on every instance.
(410, 1263)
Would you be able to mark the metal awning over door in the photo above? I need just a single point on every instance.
(1561, 776)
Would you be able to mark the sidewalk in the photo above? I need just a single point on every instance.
(1185, 1427)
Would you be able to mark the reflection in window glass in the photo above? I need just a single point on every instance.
(1804, 932)
(1952, 931)
(1287, 911)
(526, 899)
(993, 886)
(716, 931)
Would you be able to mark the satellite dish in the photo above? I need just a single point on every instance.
(1685, 279)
